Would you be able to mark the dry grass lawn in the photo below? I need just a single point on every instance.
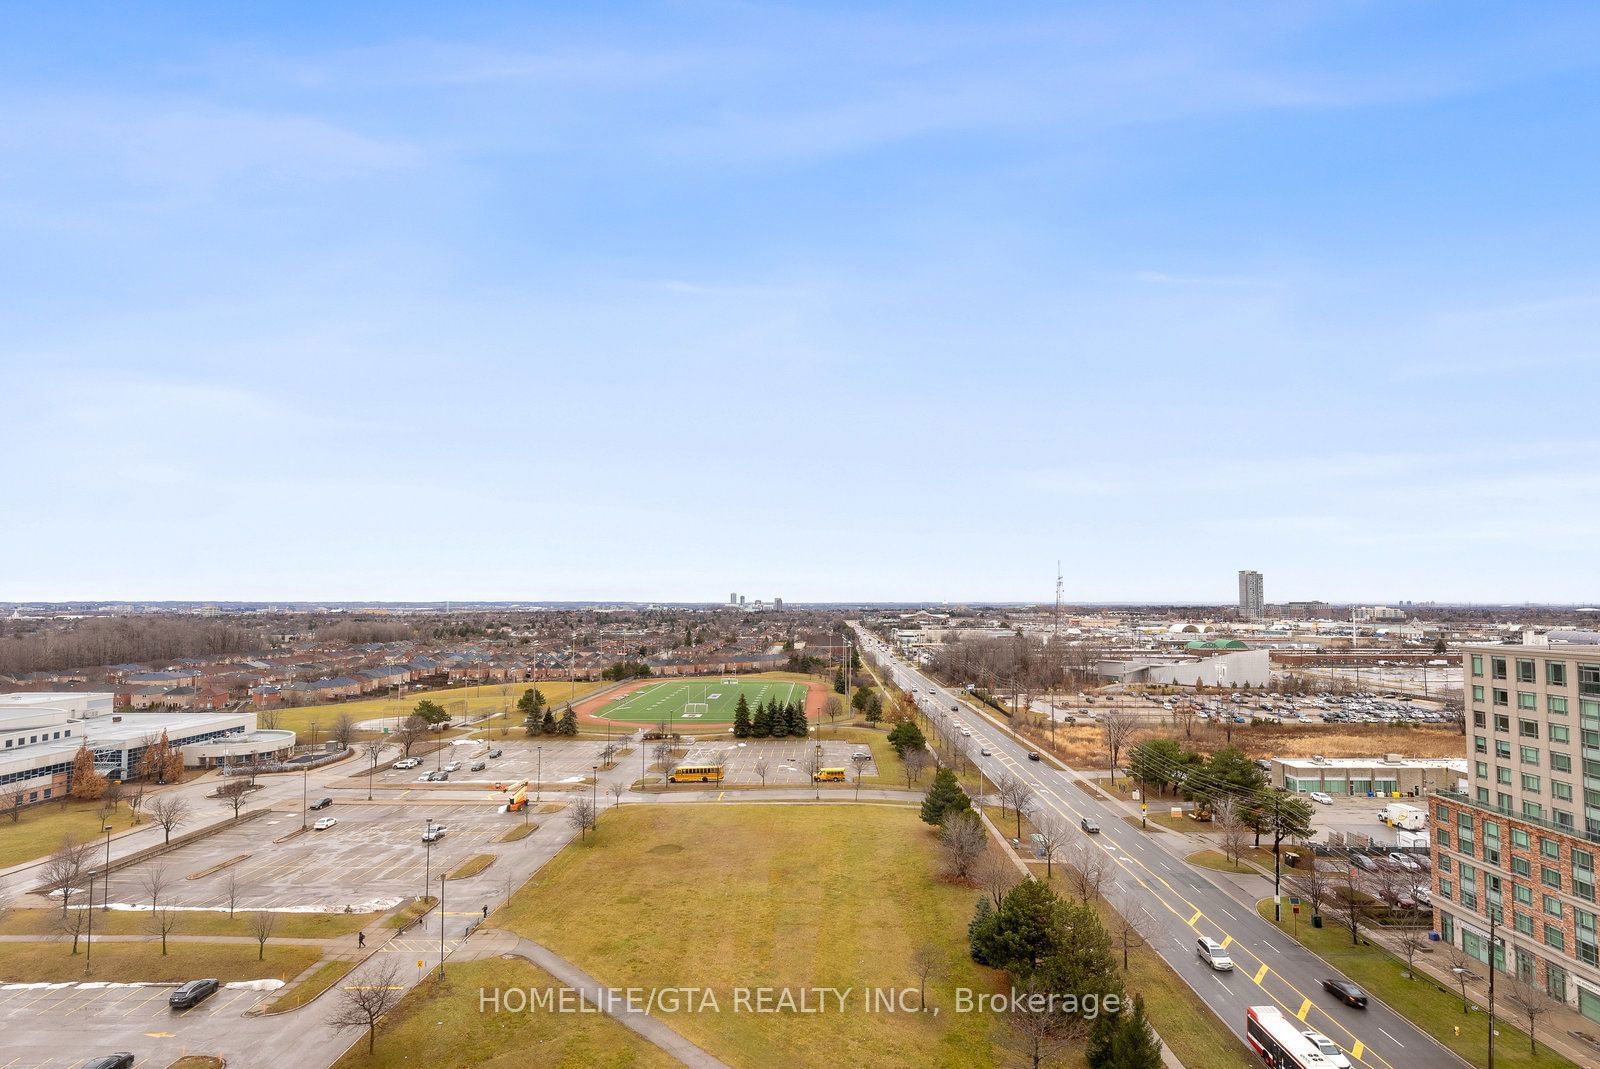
(39, 829)
(128, 962)
(729, 896)
(191, 922)
(459, 701)
(441, 1027)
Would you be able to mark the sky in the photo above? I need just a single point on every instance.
(817, 301)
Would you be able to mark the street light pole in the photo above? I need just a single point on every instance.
(305, 787)
(88, 943)
(427, 856)
(538, 775)
(105, 892)
(594, 796)
(441, 926)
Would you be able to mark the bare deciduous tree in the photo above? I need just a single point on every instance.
(408, 732)
(135, 799)
(1530, 1004)
(915, 763)
(1233, 831)
(996, 875)
(343, 731)
(762, 770)
(162, 919)
(372, 749)
(234, 794)
(926, 960)
(1460, 964)
(262, 923)
(72, 922)
(66, 869)
(580, 814)
(1053, 837)
(364, 1003)
(1014, 795)
(1035, 1034)
(962, 841)
(169, 811)
(1129, 918)
(15, 800)
(1116, 727)
(232, 888)
(1313, 884)
(617, 790)
(1086, 868)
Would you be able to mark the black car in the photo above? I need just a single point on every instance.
(1347, 993)
(1033, 755)
(478, 766)
(120, 1060)
(322, 803)
(192, 994)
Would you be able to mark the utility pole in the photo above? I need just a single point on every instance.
(1493, 914)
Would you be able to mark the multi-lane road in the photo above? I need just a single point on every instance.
(1183, 904)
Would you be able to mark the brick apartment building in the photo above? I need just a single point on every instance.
(1521, 841)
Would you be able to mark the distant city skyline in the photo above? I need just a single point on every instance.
(864, 303)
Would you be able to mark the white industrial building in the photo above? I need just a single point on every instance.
(1243, 668)
(40, 733)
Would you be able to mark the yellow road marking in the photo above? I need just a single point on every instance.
(1260, 974)
(1195, 917)
(1356, 1051)
(1305, 1008)
(720, 795)
(1226, 941)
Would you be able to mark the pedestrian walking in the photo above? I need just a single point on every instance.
(361, 940)
(485, 912)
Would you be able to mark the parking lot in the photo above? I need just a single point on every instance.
(1357, 816)
(373, 857)
(555, 762)
(95, 1018)
(786, 759)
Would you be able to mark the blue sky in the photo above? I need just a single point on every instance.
(817, 301)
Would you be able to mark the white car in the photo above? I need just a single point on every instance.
(1401, 861)
(1330, 1050)
(324, 824)
(453, 766)
(407, 762)
(1211, 952)
(1320, 798)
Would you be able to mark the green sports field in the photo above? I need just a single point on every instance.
(670, 702)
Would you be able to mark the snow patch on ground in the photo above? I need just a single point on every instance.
(375, 905)
(254, 985)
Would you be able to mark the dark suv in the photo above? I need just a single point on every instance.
(192, 994)
(120, 1060)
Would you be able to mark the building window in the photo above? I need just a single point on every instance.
(1555, 937)
(1555, 981)
(1524, 671)
(1502, 774)
(1556, 704)
(1526, 699)
(1502, 749)
(1528, 729)
(1560, 790)
(1533, 810)
(1480, 743)
(1482, 769)
(1550, 848)
(1552, 906)
(1523, 923)
(1497, 667)
(1555, 673)
(1560, 733)
(1550, 877)
(1521, 866)
(1502, 697)
(1445, 861)
(1477, 692)
(1529, 754)
(1589, 680)
(1477, 664)
(1446, 889)
(1560, 762)
(1520, 838)
(1530, 784)
(1522, 894)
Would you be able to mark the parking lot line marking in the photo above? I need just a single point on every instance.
(1260, 975)
(1305, 1008)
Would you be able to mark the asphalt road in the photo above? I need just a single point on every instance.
(1184, 903)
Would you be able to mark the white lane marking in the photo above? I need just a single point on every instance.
(1393, 1040)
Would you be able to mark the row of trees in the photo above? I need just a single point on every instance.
(770, 720)
(626, 670)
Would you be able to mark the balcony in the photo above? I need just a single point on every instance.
(1507, 814)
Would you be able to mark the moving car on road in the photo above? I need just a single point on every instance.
(1330, 1050)
(1033, 755)
(1212, 953)
(1346, 992)
(1089, 825)
(192, 993)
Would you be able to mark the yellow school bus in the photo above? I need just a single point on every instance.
(828, 775)
(696, 774)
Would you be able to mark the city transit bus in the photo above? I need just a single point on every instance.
(1282, 1043)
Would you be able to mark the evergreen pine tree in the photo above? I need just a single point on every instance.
(795, 718)
(1133, 1045)
(741, 719)
(547, 726)
(838, 681)
(980, 931)
(944, 796)
(569, 722)
(762, 725)
(875, 710)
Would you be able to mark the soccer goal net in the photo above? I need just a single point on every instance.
(695, 710)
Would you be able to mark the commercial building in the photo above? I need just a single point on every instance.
(1215, 669)
(1517, 846)
(1363, 776)
(1252, 603)
(40, 733)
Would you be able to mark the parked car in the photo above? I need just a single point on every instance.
(1033, 755)
(1320, 798)
(434, 833)
(494, 753)
(1090, 826)
(453, 766)
(478, 766)
(120, 1060)
(407, 762)
(1331, 1053)
(325, 823)
(1400, 860)
(1346, 992)
(1364, 862)
(1211, 952)
(192, 994)
(439, 777)
(322, 803)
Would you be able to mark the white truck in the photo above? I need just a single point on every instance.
(1400, 815)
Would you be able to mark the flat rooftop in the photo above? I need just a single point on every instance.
(1456, 763)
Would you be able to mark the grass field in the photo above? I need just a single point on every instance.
(666, 701)
(443, 1028)
(192, 922)
(41, 828)
(1419, 999)
(327, 974)
(129, 962)
(458, 701)
(731, 896)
